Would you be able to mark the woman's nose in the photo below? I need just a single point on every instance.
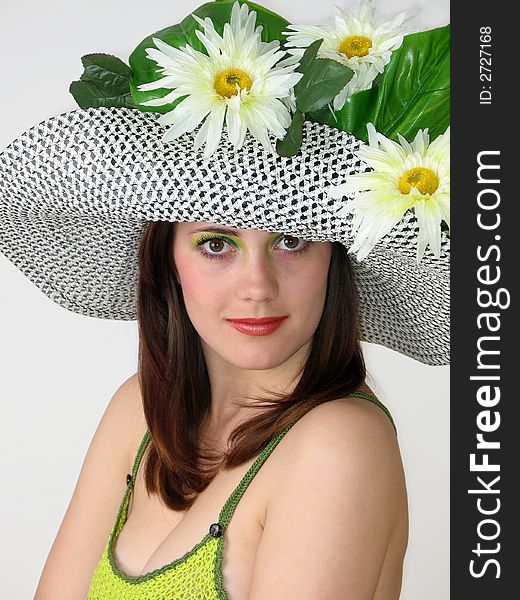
(257, 279)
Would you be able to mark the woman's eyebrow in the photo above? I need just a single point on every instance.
(215, 229)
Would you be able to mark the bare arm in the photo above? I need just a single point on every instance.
(329, 523)
(93, 508)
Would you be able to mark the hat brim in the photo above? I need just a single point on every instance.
(77, 190)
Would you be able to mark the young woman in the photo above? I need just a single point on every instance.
(324, 512)
(247, 458)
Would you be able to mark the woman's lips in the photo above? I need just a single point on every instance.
(263, 326)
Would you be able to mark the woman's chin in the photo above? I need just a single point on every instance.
(257, 360)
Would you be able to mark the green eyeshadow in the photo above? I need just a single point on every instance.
(205, 236)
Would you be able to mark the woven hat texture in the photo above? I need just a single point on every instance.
(77, 190)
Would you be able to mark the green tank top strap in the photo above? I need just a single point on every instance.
(139, 455)
(372, 398)
(229, 507)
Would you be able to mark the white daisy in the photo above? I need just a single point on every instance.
(237, 81)
(405, 176)
(355, 40)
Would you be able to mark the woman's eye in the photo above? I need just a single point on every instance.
(214, 247)
(292, 243)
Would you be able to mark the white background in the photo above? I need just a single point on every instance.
(59, 369)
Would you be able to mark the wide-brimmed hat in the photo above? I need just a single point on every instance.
(77, 191)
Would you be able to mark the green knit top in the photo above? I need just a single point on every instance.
(197, 574)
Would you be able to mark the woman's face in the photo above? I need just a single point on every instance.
(229, 273)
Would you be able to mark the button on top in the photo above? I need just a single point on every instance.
(215, 530)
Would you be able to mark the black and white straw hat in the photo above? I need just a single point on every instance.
(77, 190)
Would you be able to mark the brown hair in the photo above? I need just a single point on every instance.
(175, 385)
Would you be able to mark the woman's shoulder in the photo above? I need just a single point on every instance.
(348, 439)
(340, 471)
(355, 417)
(129, 398)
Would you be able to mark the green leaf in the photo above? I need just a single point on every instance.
(309, 55)
(88, 95)
(290, 144)
(104, 82)
(107, 72)
(322, 81)
(260, 10)
(413, 92)
(145, 70)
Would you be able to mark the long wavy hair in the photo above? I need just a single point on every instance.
(175, 385)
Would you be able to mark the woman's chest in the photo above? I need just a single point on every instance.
(154, 536)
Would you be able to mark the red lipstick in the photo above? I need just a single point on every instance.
(263, 326)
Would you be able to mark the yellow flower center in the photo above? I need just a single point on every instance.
(226, 82)
(355, 45)
(423, 179)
